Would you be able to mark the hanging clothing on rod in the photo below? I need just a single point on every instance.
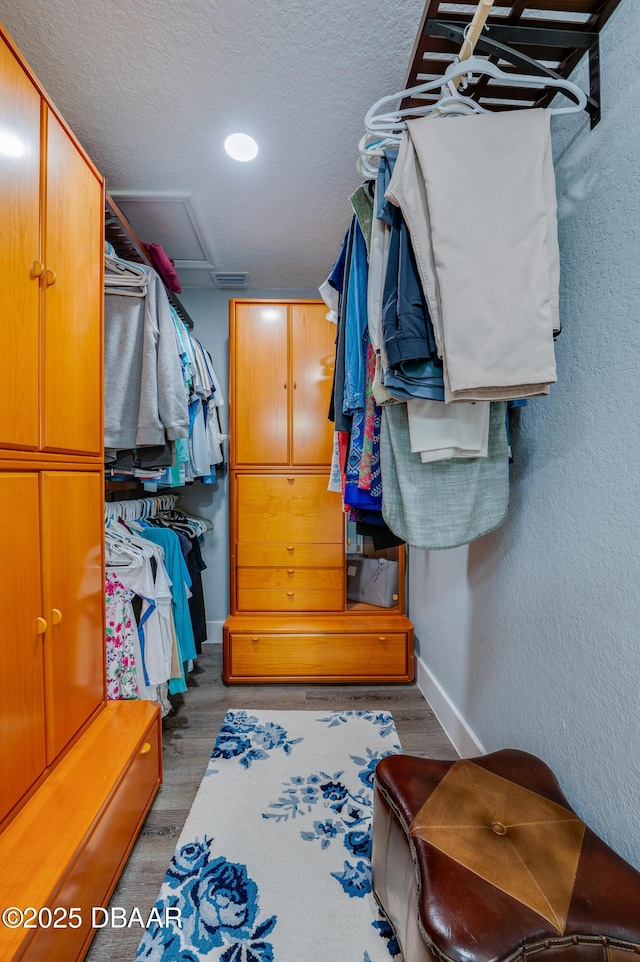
(462, 275)
(478, 196)
(156, 622)
(162, 397)
(145, 401)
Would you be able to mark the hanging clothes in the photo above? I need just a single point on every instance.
(154, 628)
(478, 195)
(180, 582)
(122, 676)
(162, 396)
(145, 402)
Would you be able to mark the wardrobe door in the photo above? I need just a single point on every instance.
(72, 510)
(72, 372)
(22, 742)
(19, 253)
(313, 354)
(260, 390)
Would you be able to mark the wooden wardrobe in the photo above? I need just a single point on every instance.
(290, 619)
(77, 774)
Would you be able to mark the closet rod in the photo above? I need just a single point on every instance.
(472, 32)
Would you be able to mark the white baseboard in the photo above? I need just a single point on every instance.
(214, 632)
(459, 732)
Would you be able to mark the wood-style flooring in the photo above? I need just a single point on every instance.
(189, 734)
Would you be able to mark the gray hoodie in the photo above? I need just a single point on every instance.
(145, 395)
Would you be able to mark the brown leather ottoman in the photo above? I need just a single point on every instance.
(482, 859)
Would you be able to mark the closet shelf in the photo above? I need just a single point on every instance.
(545, 37)
(121, 235)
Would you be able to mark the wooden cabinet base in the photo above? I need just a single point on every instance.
(325, 649)
(66, 848)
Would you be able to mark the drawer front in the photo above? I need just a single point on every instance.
(290, 509)
(287, 555)
(292, 656)
(289, 578)
(98, 865)
(290, 599)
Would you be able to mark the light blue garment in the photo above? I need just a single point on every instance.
(181, 580)
(355, 321)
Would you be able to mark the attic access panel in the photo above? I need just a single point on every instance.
(523, 36)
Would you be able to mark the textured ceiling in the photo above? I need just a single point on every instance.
(152, 87)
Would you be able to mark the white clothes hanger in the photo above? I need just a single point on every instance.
(390, 123)
(123, 277)
(449, 104)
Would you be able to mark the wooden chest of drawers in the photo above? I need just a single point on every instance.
(290, 618)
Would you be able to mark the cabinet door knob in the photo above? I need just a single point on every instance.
(56, 616)
(50, 278)
(41, 626)
(146, 748)
(37, 269)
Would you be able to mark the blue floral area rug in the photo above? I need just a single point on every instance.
(273, 864)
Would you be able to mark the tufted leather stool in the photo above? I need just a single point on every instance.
(483, 860)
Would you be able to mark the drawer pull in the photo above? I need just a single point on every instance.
(291, 480)
(146, 748)
(255, 638)
(290, 594)
(41, 626)
(382, 637)
(291, 571)
(290, 547)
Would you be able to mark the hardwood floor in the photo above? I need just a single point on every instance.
(188, 738)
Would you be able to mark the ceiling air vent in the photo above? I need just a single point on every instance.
(235, 280)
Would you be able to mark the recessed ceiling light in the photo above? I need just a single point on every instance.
(241, 147)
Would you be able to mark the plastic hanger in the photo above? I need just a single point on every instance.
(449, 104)
(123, 277)
(390, 123)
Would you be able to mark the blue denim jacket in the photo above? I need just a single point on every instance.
(355, 321)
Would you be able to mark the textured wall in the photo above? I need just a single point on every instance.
(533, 632)
(210, 313)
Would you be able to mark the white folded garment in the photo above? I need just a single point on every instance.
(441, 431)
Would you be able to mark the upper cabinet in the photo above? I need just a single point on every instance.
(51, 240)
(71, 414)
(282, 370)
(20, 249)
